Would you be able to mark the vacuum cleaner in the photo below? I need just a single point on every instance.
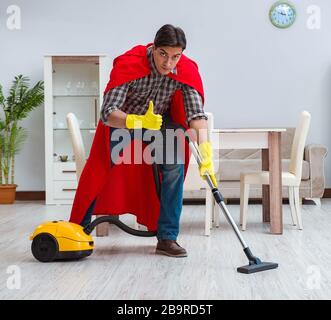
(61, 240)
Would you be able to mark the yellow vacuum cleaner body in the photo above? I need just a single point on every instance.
(60, 240)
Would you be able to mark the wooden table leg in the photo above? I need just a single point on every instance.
(275, 171)
(265, 188)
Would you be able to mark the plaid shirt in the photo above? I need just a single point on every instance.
(133, 97)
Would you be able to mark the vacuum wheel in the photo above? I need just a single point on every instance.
(44, 247)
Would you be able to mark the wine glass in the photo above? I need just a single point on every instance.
(68, 87)
(78, 86)
(94, 86)
(82, 87)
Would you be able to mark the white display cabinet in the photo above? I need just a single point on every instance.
(73, 83)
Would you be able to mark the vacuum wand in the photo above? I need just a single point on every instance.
(217, 195)
(255, 264)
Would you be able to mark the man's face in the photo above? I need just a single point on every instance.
(166, 58)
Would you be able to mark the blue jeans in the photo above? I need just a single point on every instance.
(171, 197)
(171, 200)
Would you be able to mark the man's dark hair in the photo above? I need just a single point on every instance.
(170, 36)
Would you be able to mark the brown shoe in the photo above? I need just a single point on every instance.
(170, 248)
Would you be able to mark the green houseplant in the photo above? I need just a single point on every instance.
(20, 102)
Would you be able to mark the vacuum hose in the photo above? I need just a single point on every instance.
(114, 220)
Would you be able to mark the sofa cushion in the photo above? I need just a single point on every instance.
(230, 169)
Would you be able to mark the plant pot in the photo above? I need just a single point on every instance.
(7, 193)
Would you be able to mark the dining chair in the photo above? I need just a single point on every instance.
(290, 178)
(80, 159)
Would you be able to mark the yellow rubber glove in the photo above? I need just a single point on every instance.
(207, 161)
(149, 120)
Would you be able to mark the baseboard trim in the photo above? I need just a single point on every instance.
(327, 193)
(30, 195)
(41, 195)
(197, 201)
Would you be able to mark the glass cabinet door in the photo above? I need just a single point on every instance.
(76, 90)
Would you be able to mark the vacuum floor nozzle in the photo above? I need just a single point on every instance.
(251, 268)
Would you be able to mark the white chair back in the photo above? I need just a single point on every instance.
(77, 143)
(298, 145)
(210, 124)
(193, 180)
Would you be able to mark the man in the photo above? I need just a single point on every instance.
(162, 74)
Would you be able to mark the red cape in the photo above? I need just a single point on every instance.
(129, 188)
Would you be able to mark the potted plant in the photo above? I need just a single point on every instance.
(15, 107)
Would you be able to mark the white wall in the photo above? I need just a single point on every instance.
(254, 74)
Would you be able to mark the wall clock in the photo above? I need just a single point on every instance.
(282, 14)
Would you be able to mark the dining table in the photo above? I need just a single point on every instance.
(269, 141)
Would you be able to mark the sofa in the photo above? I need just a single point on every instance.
(232, 162)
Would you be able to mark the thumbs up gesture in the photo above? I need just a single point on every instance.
(149, 120)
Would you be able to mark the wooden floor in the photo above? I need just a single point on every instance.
(125, 267)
